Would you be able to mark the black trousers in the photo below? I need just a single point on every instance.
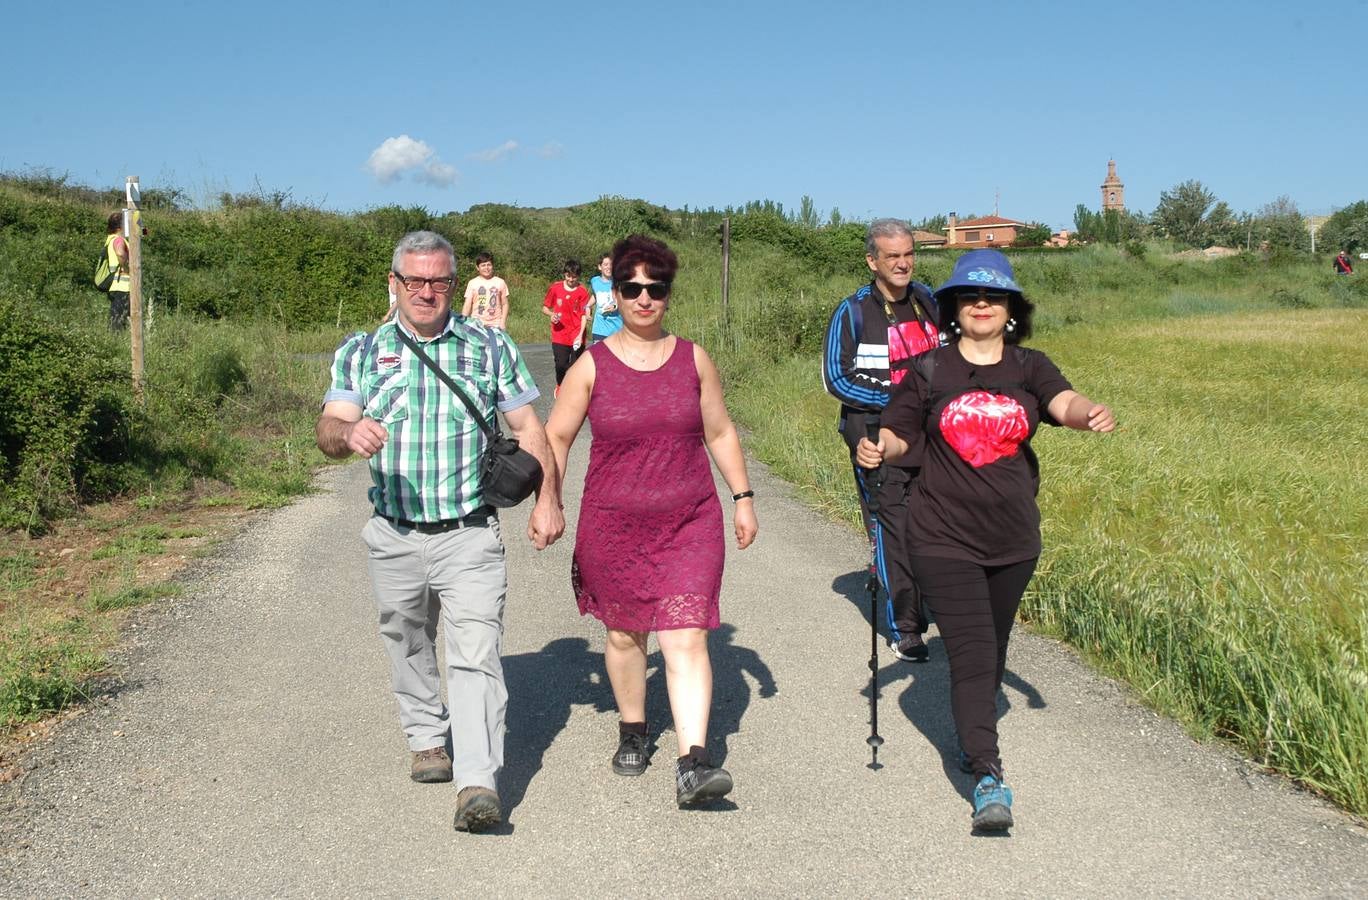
(565, 357)
(975, 607)
(118, 310)
(891, 549)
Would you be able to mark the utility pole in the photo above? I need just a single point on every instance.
(726, 268)
(132, 224)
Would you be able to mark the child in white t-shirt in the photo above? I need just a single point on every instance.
(486, 295)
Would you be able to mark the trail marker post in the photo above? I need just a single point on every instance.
(726, 270)
(132, 229)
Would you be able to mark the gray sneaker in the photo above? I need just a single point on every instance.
(431, 766)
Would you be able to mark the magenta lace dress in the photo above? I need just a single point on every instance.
(649, 546)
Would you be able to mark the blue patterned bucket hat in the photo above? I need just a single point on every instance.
(980, 269)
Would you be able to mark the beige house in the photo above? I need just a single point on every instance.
(985, 231)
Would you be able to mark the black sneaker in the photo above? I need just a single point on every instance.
(696, 781)
(911, 648)
(631, 757)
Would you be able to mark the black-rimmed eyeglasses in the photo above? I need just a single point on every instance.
(414, 283)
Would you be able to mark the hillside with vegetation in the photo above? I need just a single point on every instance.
(1210, 552)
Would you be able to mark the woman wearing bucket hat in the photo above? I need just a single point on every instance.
(967, 415)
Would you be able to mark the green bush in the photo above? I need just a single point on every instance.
(612, 218)
(61, 417)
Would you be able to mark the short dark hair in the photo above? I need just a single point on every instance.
(114, 222)
(608, 256)
(483, 258)
(636, 250)
(571, 267)
(1018, 308)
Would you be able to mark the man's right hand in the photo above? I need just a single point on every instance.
(365, 437)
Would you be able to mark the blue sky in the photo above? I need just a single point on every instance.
(879, 108)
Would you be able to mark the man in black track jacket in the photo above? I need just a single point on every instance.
(872, 336)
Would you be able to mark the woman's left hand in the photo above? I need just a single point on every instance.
(1100, 418)
(746, 523)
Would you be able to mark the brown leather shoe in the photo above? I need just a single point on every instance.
(431, 766)
(477, 809)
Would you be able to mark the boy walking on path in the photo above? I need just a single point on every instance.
(566, 305)
(486, 295)
(607, 316)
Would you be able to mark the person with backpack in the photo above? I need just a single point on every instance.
(871, 339)
(1342, 264)
(114, 268)
(965, 415)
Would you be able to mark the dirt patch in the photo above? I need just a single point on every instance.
(76, 573)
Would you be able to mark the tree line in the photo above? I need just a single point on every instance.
(1190, 215)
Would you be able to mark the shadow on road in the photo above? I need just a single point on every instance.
(543, 686)
(925, 700)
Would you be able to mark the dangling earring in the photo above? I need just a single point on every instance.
(1011, 326)
(955, 327)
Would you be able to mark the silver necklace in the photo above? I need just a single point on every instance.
(642, 358)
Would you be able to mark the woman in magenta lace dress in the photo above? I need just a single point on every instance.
(649, 546)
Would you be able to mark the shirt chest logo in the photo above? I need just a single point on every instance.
(983, 428)
(388, 360)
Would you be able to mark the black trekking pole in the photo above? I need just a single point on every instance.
(873, 482)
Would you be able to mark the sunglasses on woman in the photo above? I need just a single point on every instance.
(656, 290)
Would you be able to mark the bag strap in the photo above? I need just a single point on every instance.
(490, 433)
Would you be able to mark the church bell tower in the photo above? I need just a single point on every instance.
(1113, 191)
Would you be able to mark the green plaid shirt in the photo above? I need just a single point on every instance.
(428, 469)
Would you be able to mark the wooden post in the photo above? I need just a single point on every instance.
(726, 269)
(133, 234)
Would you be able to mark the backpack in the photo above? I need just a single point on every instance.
(104, 273)
(928, 303)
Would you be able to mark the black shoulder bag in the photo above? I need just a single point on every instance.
(508, 473)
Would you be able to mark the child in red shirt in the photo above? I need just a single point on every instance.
(565, 305)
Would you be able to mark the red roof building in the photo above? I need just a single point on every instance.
(985, 231)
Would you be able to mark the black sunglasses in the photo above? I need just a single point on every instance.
(973, 295)
(656, 290)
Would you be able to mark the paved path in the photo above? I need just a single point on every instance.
(255, 751)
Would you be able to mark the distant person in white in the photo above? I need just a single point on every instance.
(486, 295)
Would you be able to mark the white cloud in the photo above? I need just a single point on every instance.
(551, 150)
(438, 174)
(493, 154)
(402, 155)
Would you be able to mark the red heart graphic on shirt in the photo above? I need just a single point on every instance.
(983, 427)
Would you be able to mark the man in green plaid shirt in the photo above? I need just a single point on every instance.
(436, 551)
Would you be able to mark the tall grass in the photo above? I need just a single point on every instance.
(1212, 552)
